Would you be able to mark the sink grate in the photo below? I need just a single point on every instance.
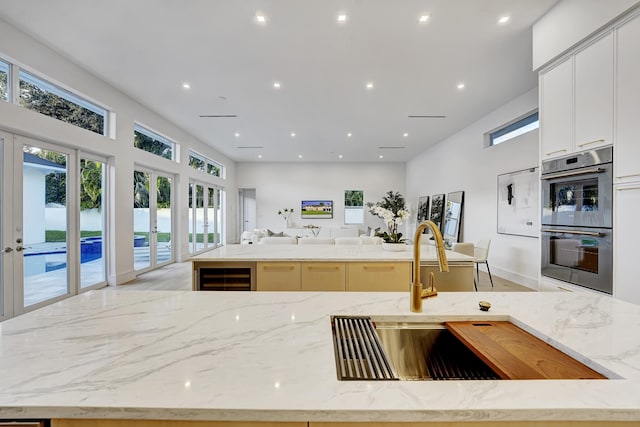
(359, 353)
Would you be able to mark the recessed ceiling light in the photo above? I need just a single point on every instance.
(237, 135)
(340, 156)
(299, 156)
(293, 134)
(423, 18)
(381, 156)
(259, 156)
(342, 18)
(370, 85)
(260, 18)
(503, 20)
(349, 134)
(460, 86)
(186, 85)
(276, 85)
(405, 134)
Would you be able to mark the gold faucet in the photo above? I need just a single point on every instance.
(417, 293)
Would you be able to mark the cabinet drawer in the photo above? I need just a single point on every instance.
(278, 276)
(323, 276)
(459, 278)
(379, 276)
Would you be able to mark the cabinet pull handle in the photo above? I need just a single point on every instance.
(278, 268)
(628, 176)
(379, 268)
(572, 173)
(635, 187)
(554, 152)
(590, 142)
(323, 268)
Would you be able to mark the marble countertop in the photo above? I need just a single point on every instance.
(269, 357)
(323, 253)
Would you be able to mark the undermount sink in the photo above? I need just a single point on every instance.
(402, 351)
(455, 350)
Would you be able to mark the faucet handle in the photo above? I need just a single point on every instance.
(431, 290)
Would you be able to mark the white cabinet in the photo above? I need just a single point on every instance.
(556, 110)
(576, 101)
(594, 94)
(627, 152)
(626, 268)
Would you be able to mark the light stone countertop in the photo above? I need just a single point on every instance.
(269, 357)
(353, 253)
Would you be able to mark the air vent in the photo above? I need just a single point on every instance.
(218, 116)
(250, 146)
(391, 147)
(359, 354)
(426, 117)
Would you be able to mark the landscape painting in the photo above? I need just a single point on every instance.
(317, 209)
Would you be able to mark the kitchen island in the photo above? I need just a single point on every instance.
(265, 356)
(361, 268)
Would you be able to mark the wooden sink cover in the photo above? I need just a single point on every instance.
(516, 354)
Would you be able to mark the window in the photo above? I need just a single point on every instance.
(517, 128)
(204, 164)
(353, 207)
(153, 143)
(50, 100)
(4, 81)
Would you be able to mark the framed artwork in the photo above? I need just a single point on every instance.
(436, 211)
(423, 209)
(453, 216)
(317, 209)
(518, 203)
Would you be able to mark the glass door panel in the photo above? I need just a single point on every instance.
(191, 217)
(163, 220)
(92, 221)
(141, 220)
(200, 218)
(44, 240)
(210, 220)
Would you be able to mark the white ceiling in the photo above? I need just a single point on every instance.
(149, 48)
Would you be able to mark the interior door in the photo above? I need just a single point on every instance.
(205, 225)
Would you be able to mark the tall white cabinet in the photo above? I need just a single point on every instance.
(589, 98)
(627, 163)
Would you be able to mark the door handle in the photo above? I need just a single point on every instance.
(7, 250)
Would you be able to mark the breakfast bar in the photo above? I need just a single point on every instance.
(362, 268)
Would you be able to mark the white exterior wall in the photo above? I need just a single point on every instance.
(285, 185)
(462, 163)
(34, 206)
(25, 51)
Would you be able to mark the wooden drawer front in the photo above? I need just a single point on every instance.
(278, 276)
(323, 276)
(379, 276)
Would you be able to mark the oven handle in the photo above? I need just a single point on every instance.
(573, 173)
(582, 233)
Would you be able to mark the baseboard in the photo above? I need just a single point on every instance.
(520, 279)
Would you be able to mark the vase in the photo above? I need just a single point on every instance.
(394, 247)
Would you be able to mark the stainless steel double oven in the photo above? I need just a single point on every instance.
(577, 219)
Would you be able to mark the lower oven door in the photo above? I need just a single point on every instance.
(580, 256)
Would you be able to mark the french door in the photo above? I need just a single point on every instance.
(205, 216)
(153, 219)
(41, 257)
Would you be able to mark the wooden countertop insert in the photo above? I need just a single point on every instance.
(516, 354)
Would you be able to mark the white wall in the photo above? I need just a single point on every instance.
(21, 49)
(285, 185)
(571, 21)
(461, 162)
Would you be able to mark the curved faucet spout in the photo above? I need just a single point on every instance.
(416, 287)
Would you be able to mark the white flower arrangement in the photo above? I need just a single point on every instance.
(393, 211)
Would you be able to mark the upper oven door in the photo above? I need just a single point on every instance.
(579, 197)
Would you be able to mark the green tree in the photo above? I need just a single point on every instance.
(354, 198)
(152, 145)
(90, 184)
(140, 189)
